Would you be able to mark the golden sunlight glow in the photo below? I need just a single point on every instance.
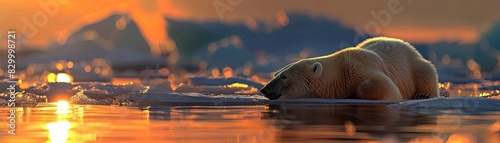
(59, 66)
(51, 77)
(247, 91)
(64, 77)
(62, 107)
(350, 128)
(70, 64)
(121, 24)
(238, 85)
(255, 77)
(125, 81)
(171, 78)
(58, 131)
(461, 138)
(227, 72)
(475, 68)
(282, 18)
(495, 127)
(485, 94)
(426, 139)
(494, 131)
(60, 77)
(215, 72)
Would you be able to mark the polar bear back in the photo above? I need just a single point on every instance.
(386, 48)
(400, 57)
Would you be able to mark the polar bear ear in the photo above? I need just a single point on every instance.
(317, 68)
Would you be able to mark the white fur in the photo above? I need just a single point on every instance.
(379, 68)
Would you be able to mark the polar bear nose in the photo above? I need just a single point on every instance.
(263, 91)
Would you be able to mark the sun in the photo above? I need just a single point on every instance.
(64, 77)
(59, 77)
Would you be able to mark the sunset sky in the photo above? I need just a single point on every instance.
(423, 21)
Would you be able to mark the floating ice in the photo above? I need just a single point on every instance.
(462, 103)
(220, 85)
(465, 103)
(190, 98)
(81, 98)
(21, 99)
(3, 102)
(211, 81)
(161, 87)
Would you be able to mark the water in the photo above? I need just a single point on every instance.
(247, 124)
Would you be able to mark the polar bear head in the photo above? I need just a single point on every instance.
(296, 80)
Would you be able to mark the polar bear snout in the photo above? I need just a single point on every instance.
(268, 93)
(263, 91)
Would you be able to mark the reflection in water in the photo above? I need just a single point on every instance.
(62, 108)
(377, 123)
(301, 123)
(246, 124)
(494, 131)
(461, 138)
(350, 128)
(58, 131)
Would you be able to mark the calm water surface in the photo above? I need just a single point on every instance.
(247, 124)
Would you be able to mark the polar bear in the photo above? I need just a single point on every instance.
(379, 68)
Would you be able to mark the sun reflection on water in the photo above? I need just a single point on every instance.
(62, 107)
(62, 122)
(59, 130)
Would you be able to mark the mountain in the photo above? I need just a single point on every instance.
(125, 49)
(317, 36)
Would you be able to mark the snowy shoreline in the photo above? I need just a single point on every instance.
(466, 103)
(199, 99)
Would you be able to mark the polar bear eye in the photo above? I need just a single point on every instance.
(283, 77)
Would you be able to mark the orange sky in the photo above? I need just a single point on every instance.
(419, 21)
